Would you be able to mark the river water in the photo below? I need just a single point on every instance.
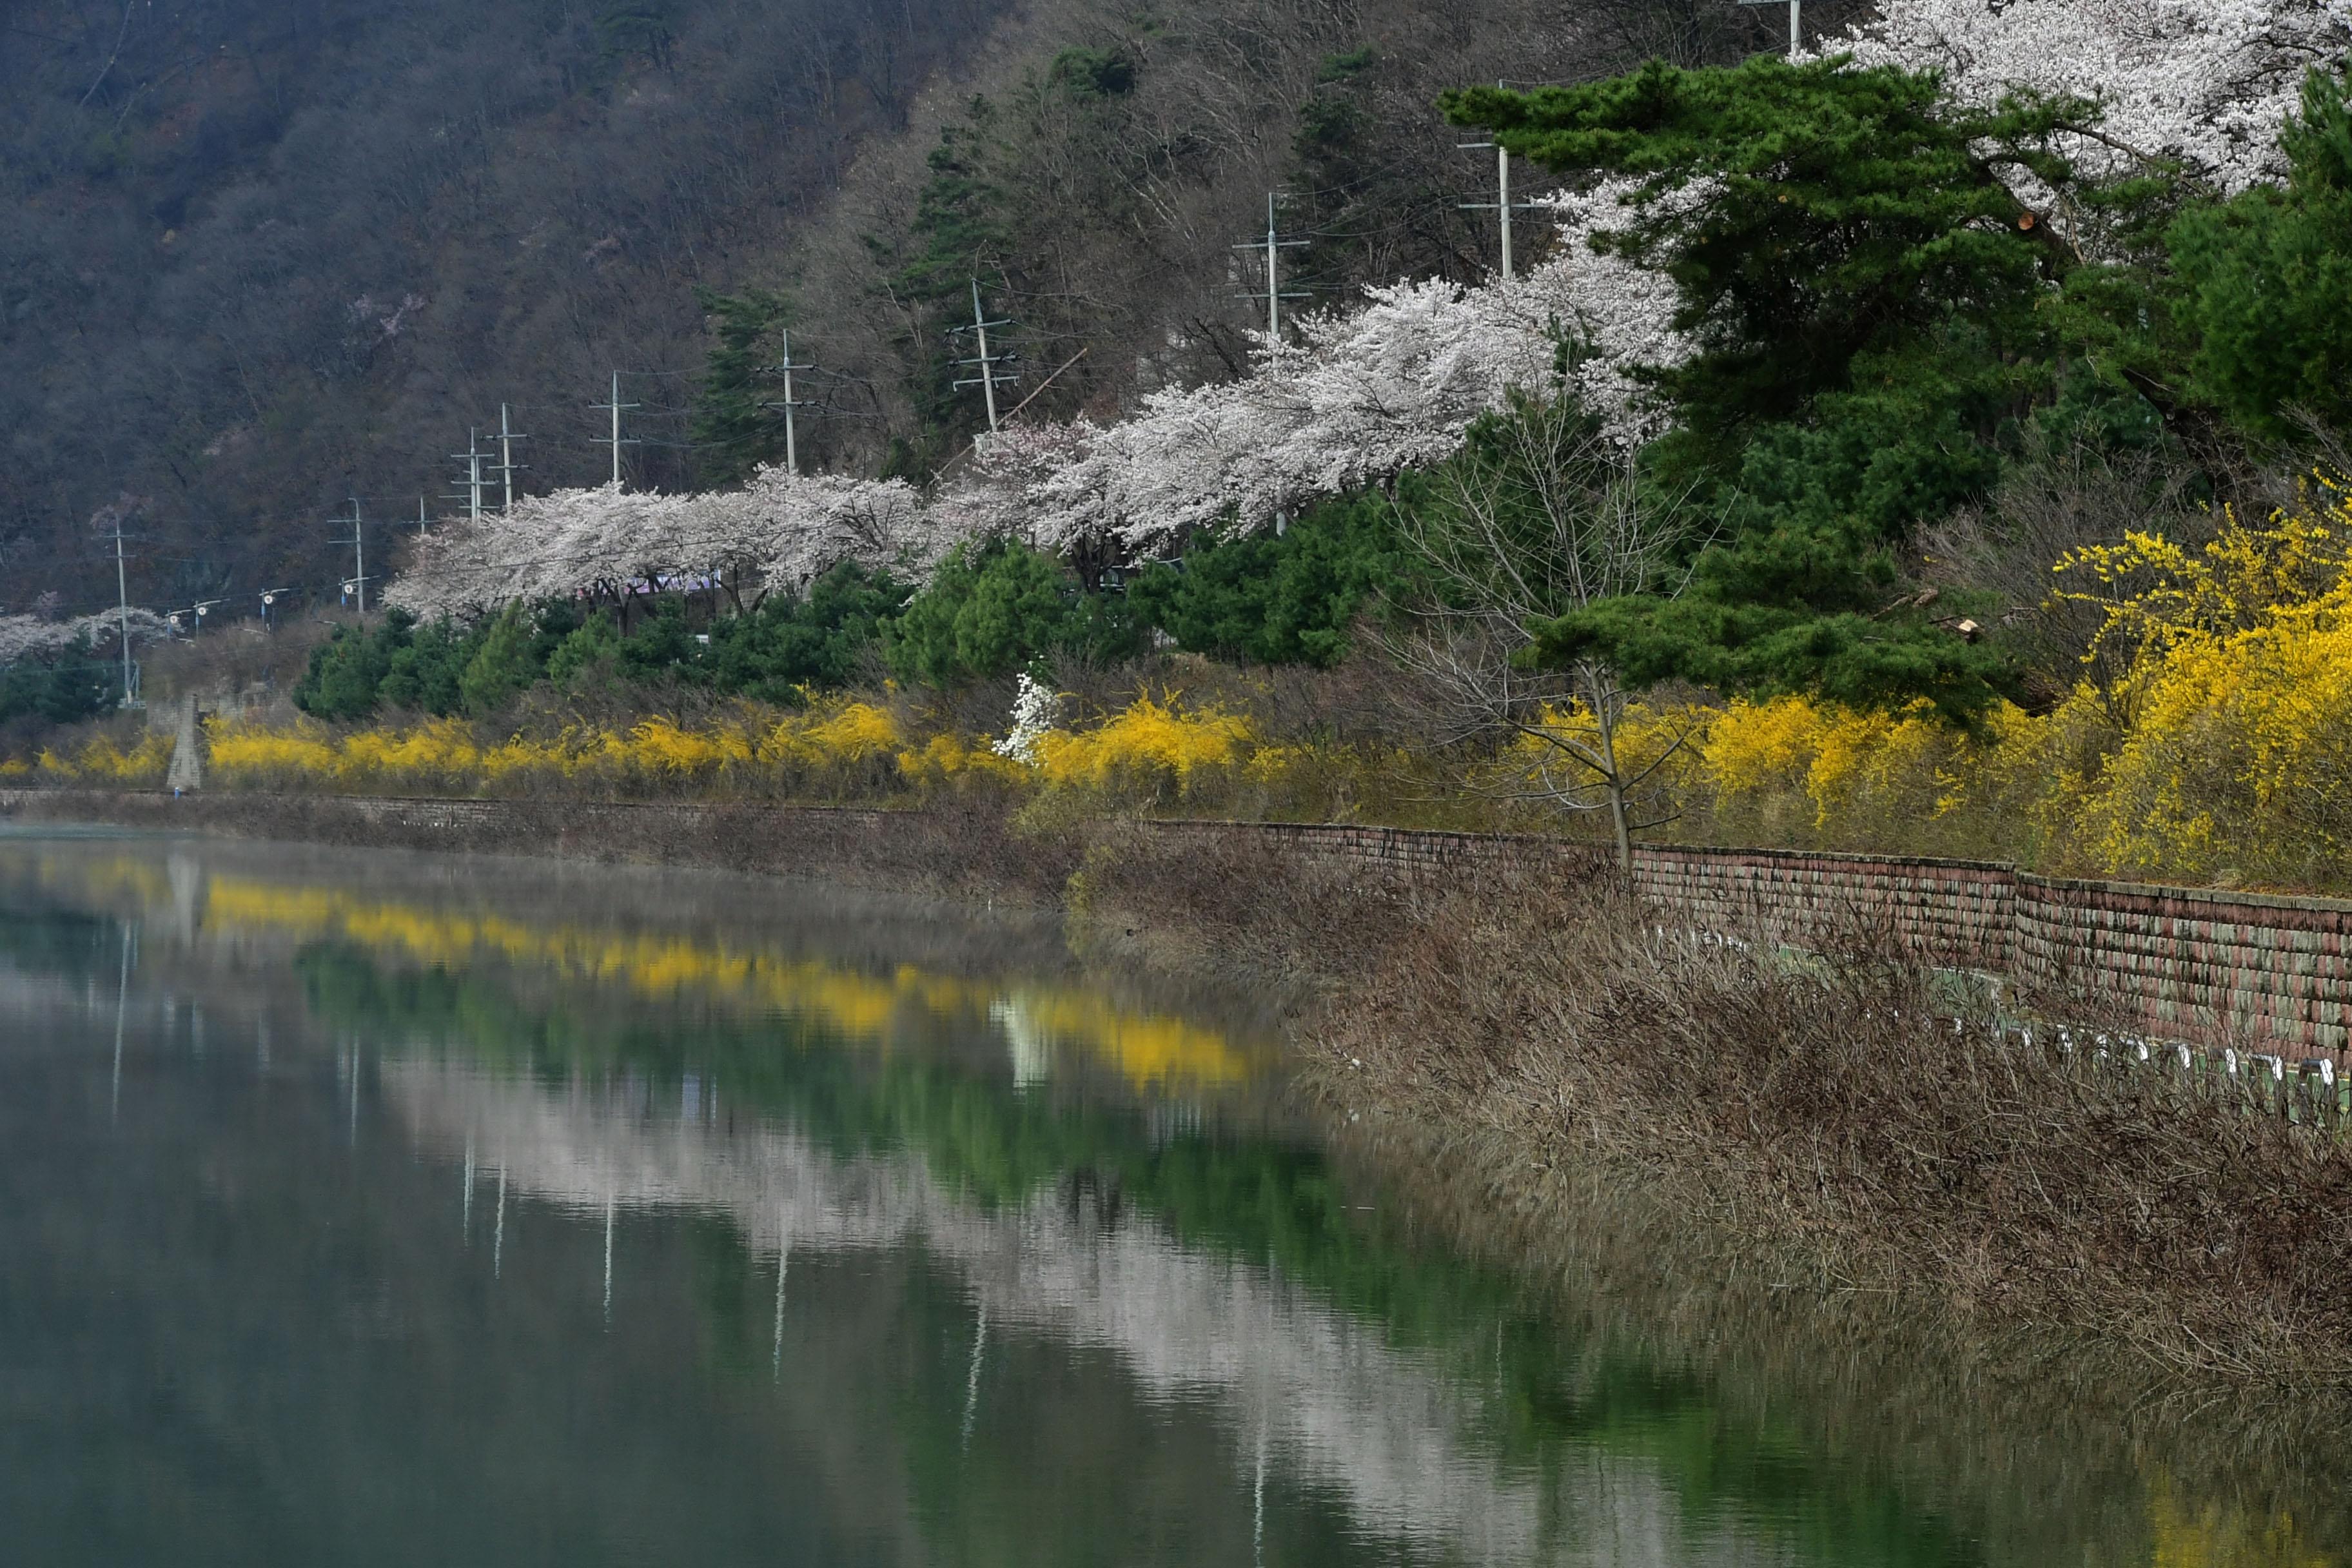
(360, 1208)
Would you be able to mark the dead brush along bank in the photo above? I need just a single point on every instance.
(1826, 1120)
(2040, 1442)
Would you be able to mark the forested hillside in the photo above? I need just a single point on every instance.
(257, 257)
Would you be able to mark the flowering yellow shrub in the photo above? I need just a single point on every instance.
(439, 753)
(1791, 769)
(836, 734)
(2229, 671)
(1151, 744)
(952, 758)
(100, 760)
(821, 746)
(666, 749)
(2211, 735)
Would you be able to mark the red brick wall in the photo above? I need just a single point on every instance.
(2271, 971)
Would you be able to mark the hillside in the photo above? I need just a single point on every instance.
(257, 257)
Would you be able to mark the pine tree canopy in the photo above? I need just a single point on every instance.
(1867, 304)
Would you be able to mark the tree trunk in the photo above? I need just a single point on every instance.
(1603, 699)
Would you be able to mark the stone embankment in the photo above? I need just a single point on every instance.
(2266, 972)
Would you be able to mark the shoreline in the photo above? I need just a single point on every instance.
(2261, 976)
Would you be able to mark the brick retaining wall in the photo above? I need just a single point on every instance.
(2194, 962)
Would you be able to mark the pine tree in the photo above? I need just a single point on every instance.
(1861, 285)
(733, 428)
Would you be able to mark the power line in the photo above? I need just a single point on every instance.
(1502, 206)
(469, 489)
(792, 448)
(122, 595)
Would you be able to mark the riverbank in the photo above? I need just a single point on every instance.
(1849, 1125)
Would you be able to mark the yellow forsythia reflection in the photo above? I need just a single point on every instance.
(1147, 1048)
(2208, 1537)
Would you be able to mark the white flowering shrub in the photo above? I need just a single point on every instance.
(1033, 716)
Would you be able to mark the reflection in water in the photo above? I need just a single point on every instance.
(859, 1006)
(1031, 1271)
(1316, 1387)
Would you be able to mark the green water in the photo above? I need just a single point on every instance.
(367, 1208)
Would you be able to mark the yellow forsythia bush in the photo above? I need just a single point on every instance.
(2210, 738)
(1793, 771)
(833, 746)
(1153, 748)
(100, 760)
(2232, 756)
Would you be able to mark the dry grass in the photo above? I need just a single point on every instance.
(1854, 1124)
(1842, 1120)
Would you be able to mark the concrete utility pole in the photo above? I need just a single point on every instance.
(507, 439)
(122, 592)
(1274, 246)
(616, 406)
(1502, 206)
(358, 542)
(791, 446)
(987, 379)
(469, 489)
(1796, 31)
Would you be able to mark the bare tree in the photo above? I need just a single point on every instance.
(1543, 514)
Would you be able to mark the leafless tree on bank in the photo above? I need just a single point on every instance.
(1542, 515)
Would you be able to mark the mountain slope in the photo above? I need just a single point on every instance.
(257, 255)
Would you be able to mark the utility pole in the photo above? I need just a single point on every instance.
(507, 439)
(1503, 207)
(358, 542)
(420, 517)
(1796, 32)
(792, 448)
(616, 406)
(122, 593)
(987, 379)
(1274, 246)
(469, 489)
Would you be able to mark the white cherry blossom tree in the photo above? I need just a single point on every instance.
(36, 637)
(2206, 81)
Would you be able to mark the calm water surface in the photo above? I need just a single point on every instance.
(362, 1208)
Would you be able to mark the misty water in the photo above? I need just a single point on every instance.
(362, 1208)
